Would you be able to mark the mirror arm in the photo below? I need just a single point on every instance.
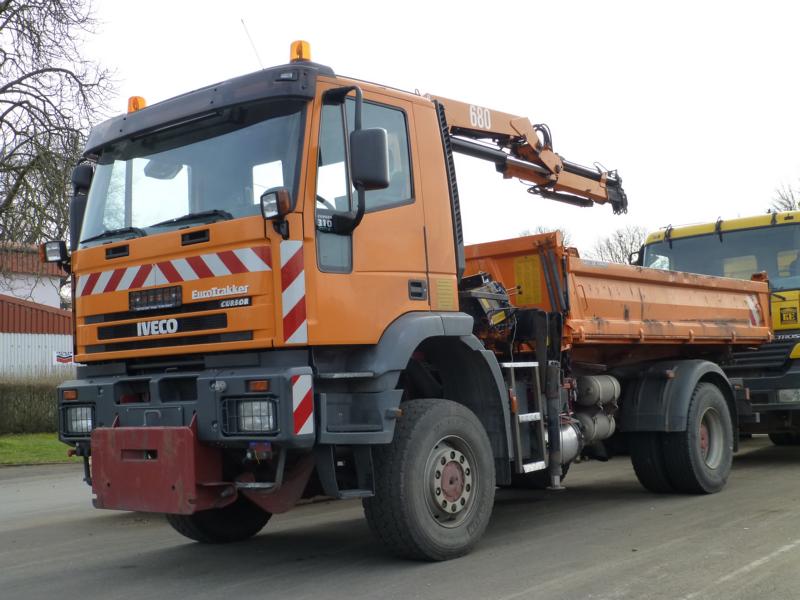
(345, 223)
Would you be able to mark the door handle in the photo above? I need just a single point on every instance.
(417, 289)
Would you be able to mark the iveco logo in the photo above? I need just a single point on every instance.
(156, 327)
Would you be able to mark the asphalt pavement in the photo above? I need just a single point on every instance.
(602, 538)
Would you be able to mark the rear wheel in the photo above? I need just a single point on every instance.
(434, 484)
(647, 458)
(699, 459)
(233, 523)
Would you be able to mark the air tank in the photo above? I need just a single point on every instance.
(596, 390)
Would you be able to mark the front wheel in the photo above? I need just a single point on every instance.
(233, 523)
(434, 484)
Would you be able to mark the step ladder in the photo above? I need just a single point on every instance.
(534, 419)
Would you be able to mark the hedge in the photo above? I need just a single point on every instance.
(28, 406)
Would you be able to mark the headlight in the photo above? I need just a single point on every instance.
(255, 416)
(78, 419)
(790, 395)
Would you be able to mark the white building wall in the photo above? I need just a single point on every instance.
(24, 355)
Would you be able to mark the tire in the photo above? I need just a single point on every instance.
(699, 459)
(647, 458)
(538, 480)
(233, 523)
(414, 513)
(784, 438)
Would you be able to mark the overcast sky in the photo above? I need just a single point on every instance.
(695, 103)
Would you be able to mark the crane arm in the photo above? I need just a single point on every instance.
(518, 151)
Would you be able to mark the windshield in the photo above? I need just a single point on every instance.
(217, 164)
(738, 254)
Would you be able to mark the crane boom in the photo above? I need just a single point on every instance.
(519, 151)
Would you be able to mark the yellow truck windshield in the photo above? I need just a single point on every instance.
(737, 254)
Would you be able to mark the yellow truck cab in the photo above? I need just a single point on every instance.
(739, 248)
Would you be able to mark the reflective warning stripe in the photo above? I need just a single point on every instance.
(216, 264)
(293, 293)
(302, 404)
(755, 312)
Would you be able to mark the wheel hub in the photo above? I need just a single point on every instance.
(451, 483)
(452, 479)
(711, 438)
(704, 440)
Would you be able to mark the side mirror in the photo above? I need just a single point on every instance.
(276, 203)
(637, 257)
(369, 159)
(82, 177)
(81, 180)
(53, 252)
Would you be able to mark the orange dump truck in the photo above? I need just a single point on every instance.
(273, 300)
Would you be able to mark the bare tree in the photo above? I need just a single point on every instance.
(566, 236)
(49, 94)
(618, 246)
(786, 198)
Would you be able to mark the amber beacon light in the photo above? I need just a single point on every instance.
(301, 50)
(136, 103)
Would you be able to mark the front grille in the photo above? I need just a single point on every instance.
(221, 303)
(198, 323)
(162, 342)
(769, 357)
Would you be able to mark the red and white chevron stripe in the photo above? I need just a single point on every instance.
(293, 293)
(302, 404)
(755, 311)
(215, 264)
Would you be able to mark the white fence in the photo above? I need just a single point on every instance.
(25, 355)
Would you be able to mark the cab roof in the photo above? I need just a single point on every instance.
(721, 226)
(296, 80)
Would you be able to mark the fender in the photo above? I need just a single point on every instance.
(659, 399)
(377, 368)
(404, 335)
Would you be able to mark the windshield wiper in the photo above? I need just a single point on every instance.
(218, 214)
(780, 297)
(137, 231)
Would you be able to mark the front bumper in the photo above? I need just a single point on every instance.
(764, 395)
(209, 400)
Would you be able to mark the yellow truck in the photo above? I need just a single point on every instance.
(768, 244)
(273, 300)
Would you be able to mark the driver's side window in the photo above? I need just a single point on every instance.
(334, 252)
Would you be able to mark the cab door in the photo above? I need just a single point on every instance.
(364, 280)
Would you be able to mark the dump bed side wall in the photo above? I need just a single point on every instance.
(613, 302)
(610, 303)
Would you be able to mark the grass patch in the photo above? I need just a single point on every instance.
(33, 448)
